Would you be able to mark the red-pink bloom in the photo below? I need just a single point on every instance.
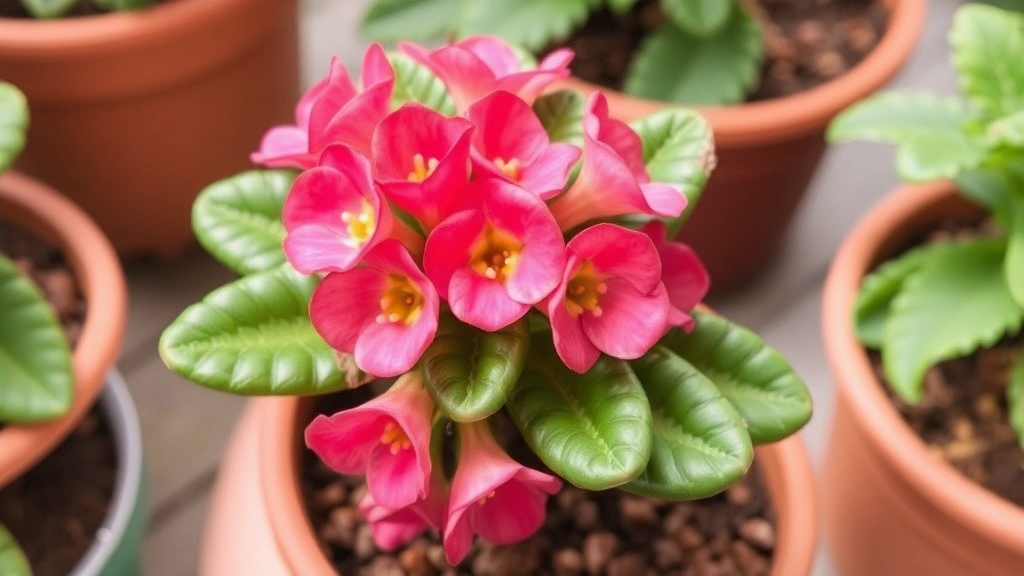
(384, 312)
(476, 66)
(492, 263)
(333, 214)
(392, 528)
(684, 276)
(611, 298)
(511, 143)
(613, 180)
(333, 111)
(421, 161)
(492, 495)
(386, 438)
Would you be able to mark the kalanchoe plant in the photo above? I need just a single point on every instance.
(704, 52)
(482, 247)
(36, 377)
(945, 300)
(58, 8)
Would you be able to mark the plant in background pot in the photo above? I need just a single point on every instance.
(821, 57)
(59, 8)
(485, 266)
(933, 279)
(145, 107)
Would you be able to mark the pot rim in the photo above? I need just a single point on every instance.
(101, 279)
(889, 436)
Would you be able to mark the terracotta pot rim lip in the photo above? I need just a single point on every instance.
(798, 527)
(98, 269)
(893, 439)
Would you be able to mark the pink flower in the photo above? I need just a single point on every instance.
(384, 312)
(492, 495)
(611, 298)
(683, 274)
(476, 66)
(492, 263)
(333, 214)
(421, 161)
(613, 180)
(392, 528)
(386, 438)
(511, 143)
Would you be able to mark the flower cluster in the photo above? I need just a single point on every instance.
(409, 215)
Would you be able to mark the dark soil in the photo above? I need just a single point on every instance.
(609, 533)
(806, 42)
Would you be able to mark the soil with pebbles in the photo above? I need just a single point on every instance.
(608, 533)
(806, 42)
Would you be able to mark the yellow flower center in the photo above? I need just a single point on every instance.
(584, 291)
(510, 168)
(360, 225)
(394, 437)
(422, 168)
(485, 498)
(402, 301)
(495, 254)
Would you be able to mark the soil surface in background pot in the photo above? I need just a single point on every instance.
(15, 9)
(595, 533)
(56, 508)
(963, 415)
(806, 42)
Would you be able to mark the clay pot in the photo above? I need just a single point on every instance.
(890, 507)
(767, 153)
(257, 523)
(48, 214)
(133, 113)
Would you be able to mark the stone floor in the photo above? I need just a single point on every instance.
(185, 427)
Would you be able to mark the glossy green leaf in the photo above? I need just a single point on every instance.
(12, 559)
(756, 378)
(699, 17)
(253, 336)
(561, 114)
(415, 82)
(871, 309)
(36, 377)
(674, 66)
(592, 429)
(987, 44)
(701, 444)
(620, 6)
(951, 306)
(989, 188)
(470, 373)
(1008, 130)
(13, 123)
(533, 24)
(679, 149)
(1015, 397)
(1013, 265)
(419, 20)
(117, 5)
(238, 219)
(48, 8)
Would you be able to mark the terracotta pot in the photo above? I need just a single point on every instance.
(94, 263)
(767, 153)
(257, 524)
(133, 113)
(890, 507)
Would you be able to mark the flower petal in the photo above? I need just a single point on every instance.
(646, 316)
(343, 304)
(482, 302)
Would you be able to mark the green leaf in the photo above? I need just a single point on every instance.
(238, 219)
(988, 188)
(1015, 397)
(620, 6)
(12, 559)
(13, 123)
(987, 43)
(674, 66)
(1013, 266)
(1007, 131)
(561, 114)
(395, 20)
(701, 444)
(956, 302)
(117, 5)
(679, 149)
(36, 377)
(470, 373)
(699, 17)
(415, 82)
(758, 380)
(592, 429)
(48, 8)
(871, 309)
(253, 336)
(533, 24)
